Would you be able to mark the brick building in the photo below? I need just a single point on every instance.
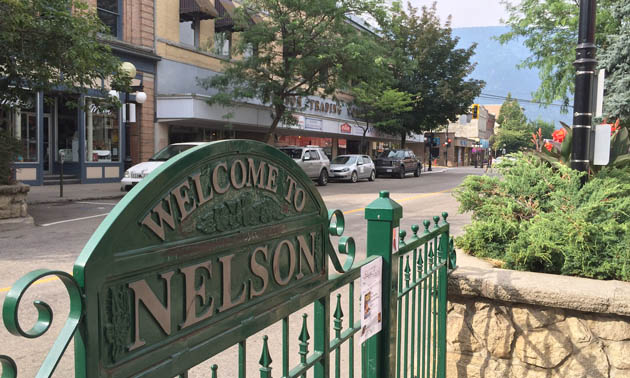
(98, 144)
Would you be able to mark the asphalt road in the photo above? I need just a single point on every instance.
(63, 229)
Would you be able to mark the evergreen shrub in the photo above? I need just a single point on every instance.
(535, 217)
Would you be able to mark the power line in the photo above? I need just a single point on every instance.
(530, 101)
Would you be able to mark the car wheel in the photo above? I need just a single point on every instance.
(417, 171)
(323, 178)
(401, 172)
(372, 176)
(354, 177)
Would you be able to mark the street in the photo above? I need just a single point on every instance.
(62, 230)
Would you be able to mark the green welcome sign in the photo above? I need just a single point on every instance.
(201, 254)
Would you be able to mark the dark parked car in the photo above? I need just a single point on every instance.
(397, 163)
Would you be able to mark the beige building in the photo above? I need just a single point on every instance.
(195, 39)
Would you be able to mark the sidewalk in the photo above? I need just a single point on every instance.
(74, 192)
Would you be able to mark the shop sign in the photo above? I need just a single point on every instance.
(345, 128)
(313, 124)
(225, 230)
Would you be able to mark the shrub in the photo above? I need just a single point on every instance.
(535, 217)
(10, 148)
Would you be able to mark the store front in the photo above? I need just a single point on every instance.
(76, 131)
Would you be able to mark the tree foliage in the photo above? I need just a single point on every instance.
(379, 107)
(515, 132)
(549, 29)
(535, 217)
(10, 148)
(426, 62)
(52, 44)
(616, 60)
(300, 48)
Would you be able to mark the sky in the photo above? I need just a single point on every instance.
(467, 13)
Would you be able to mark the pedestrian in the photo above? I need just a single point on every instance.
(489, 165)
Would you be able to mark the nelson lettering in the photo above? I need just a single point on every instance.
(204, 289)
(232, 194)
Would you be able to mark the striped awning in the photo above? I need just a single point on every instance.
(190, 10)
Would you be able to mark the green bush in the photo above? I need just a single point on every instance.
(9, 149)
(535, 217)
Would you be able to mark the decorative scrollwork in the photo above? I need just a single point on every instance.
(9, 369)
(452, 256)
(346, 243)
(44, 319)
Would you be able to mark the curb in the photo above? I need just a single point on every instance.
(12, 224)
(64, 199)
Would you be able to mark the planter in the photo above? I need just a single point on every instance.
(13, 201)
(504, 323)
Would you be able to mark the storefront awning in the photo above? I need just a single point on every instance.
(190, 10)
(225, 20)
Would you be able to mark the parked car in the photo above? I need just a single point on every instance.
(397, 163)
(313, 161)
(139, 171)
(352, 167)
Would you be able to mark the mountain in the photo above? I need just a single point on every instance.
(497, 66)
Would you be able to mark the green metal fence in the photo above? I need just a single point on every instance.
(412, 342)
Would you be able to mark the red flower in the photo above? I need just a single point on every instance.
(559, 135)
(614, 127)
(548, 146)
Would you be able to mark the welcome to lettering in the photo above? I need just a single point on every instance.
(238, 174)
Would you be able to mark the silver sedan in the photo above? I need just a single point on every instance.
(352, 168)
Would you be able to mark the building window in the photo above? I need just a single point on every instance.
(222, 43)
(102, 141)
(22, 124)
(187, 33)
(109, 13)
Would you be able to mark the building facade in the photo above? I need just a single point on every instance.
(92, 143)
(194, 41)
(469, 136)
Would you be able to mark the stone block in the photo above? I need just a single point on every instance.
(529, 317)
(459, 337)
(545, 348)
(619, 354)
(577, 331)
(609, 328)
(587, 362)
(493, 327)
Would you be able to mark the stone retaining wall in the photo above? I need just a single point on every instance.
(13, 201)
(520, 324)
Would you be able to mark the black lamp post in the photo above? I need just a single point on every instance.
(585, 65)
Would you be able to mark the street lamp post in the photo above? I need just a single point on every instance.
(585, 64)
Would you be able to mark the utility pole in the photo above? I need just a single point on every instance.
(585, 64)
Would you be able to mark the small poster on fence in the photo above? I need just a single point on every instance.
(371, 304)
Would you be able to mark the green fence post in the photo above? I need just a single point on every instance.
(442, 298)
(383, 215)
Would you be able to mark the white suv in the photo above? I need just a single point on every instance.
(313, 161)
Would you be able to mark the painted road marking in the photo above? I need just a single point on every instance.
(96, 203)
(73, 220)
(43, 280)
(405, 199)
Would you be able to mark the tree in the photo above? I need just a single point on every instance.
(300, 48)
(380, 107)
(549, 29)
(616, 60)
(425, 61)
(46, 46)
(515, 132)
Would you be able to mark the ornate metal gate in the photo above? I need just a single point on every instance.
(223, 241)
